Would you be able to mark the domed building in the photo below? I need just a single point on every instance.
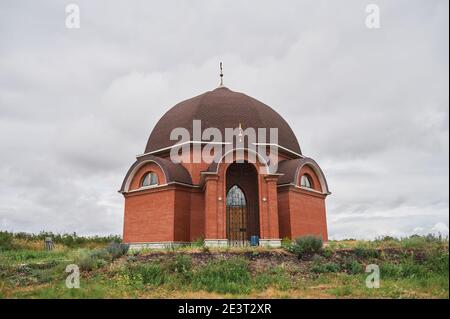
(223, 202)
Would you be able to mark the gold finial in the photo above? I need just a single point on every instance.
(221, 74)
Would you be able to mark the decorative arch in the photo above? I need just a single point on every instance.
(215, 165)
(291, 172)
(242, 202)
(172, 173)
(137, 168)
(319, 174)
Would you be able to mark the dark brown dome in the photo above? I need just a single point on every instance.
(221, 108)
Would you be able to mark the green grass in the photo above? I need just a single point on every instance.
(409, 268)
(223, 276)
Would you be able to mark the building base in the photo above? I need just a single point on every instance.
(273, 243)
(157, 245)
(216, 242)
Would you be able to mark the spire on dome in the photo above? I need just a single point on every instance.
(221, 75)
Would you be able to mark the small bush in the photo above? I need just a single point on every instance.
(6, 241)
(327, 252)
(117, 250)
(353, 267)
(88, 260)
(438, 262)
(327, 267)
(306, 244)
(100, 254)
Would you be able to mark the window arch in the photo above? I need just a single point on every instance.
(149, 179)
(306, 181)
(236, 197)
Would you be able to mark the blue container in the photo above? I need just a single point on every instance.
(254, 240)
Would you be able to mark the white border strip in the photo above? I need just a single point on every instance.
(216, 143)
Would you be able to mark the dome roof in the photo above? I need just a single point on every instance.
(221, 108)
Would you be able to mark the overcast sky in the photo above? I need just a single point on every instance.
(370, 105)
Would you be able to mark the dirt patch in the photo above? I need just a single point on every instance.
(260, 261)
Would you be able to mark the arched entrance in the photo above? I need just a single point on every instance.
(242, 203)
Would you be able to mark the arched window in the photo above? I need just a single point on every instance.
(149, 179)
(235, 197)
(306, 181)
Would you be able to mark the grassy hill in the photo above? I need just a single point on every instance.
(414, 267)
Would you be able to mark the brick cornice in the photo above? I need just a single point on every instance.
(298, 189)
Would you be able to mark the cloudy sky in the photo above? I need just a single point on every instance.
(370, 105)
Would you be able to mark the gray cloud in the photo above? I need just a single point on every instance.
(371, 106)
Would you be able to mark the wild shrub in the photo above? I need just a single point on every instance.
(117, 250)
(6, 241)
(325, 267)
(327, 252)
(437, 261)
(353, 267)
(306, 244)
(89, 260)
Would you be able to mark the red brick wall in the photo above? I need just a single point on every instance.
(197, 222)
(301, 211)
(178, 213)
(272, 208)
(149, 216)
(284, 217)
(307, 214)
(182, 212)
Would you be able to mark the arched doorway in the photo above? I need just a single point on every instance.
(242, 203)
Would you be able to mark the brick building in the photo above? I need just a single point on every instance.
(222, 202)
